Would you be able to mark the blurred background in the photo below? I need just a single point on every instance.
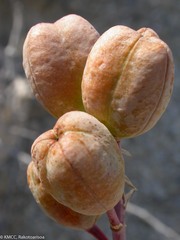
(154, 167)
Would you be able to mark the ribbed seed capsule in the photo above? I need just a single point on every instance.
(54, 209)
(128, 80)
(80, 164)
(54, 56)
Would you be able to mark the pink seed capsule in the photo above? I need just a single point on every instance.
(54, 56)
(80, 165)
(128, 80)
(54, 209)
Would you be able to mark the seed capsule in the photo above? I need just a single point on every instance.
(54, 57)
(54, 209)
(128, 80)
(79, 163)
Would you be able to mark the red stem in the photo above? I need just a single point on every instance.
(115, 224)
(97, 233)
(120, 211)
(116, 218)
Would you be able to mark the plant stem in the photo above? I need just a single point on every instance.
(114, 224)
(116, 218)
(120, 211)
(97, 233)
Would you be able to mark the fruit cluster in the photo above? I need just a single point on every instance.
(101, 89)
